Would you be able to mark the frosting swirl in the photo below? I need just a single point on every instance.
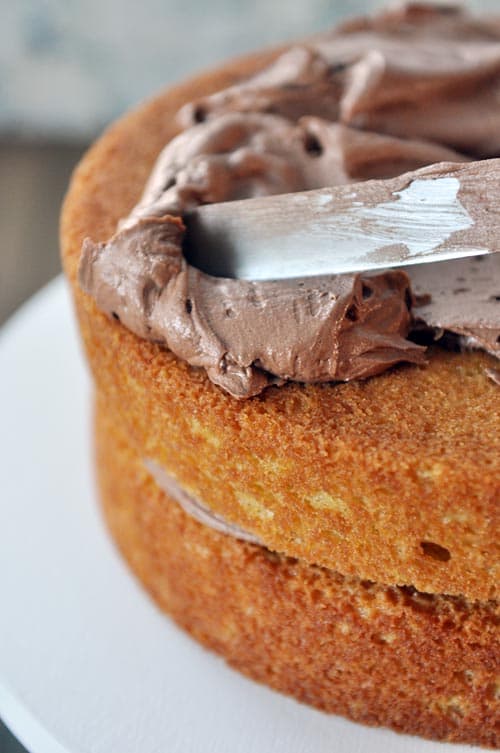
(331, 112)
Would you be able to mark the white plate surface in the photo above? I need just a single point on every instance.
(87, 662)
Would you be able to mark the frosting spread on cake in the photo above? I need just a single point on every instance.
(374, 98)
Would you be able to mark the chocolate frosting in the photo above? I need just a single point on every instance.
(249, 334)
(462, 297)
(421, 71)
(305, 122)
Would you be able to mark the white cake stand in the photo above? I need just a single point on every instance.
(87, 663)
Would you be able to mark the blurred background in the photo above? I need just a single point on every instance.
(68, 67)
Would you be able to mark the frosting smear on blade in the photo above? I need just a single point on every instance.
(373, 99)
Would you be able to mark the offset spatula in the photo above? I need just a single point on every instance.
(445, 211)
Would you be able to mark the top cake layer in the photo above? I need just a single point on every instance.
(393, 479)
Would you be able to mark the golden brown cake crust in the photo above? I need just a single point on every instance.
(395, 479)
(379, 655)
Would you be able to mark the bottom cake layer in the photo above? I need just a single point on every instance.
(381, 655)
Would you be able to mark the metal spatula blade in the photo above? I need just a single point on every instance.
(445, 211)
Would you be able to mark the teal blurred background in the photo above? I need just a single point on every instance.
(70, 66)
